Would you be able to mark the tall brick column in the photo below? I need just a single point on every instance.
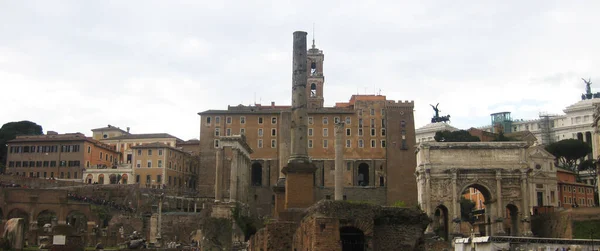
(339, 161)
(299, 170)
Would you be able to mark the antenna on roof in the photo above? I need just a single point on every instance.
(313, 45)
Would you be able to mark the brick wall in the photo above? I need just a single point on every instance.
(274, 236)
(374, 195)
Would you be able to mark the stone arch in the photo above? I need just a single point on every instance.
(484, 221)
(256, 174)
(89, 178)
(78, 220)
(46, 217)
(352, 239)
(124, 178)
(101, 179)
(113, 178)
(441, 221)
(363, 174)
(511, 223)
(313, 90)
(19, 213)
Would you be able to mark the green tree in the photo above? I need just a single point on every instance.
(456, 136)
(590, 165)
(569, 152)
(10, 130)
(466, 210)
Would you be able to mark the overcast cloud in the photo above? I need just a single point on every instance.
(71, 66)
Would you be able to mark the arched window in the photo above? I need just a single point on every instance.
(363, 174)
(313, 68)
(256, 174)
(313, 90)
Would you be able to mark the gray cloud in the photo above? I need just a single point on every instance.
(152, 65)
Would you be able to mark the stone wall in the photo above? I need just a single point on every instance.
(274, 236)
(571, 223)
(373, 195)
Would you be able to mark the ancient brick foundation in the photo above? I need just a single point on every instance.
(323, 224)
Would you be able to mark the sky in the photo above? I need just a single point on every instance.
(71, 66)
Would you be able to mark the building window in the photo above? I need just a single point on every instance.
(273, 132)
(273, 143)
(361, 143)
(242, 131)
(404, 146)
(310, 143)
(149, 152)
(348, 143)
(372, 112)
(372, 123)
(216, 143)
(382, 112)
(360, 132)
(325, 132)
(207, 122)
(325, 143)
(348, 131)
(160, 152)
(382, 131)
(402, 123)
(260, 120)
(89, 149)
(273, 120)
(260, 132)
(217, 120)
(373, 145)
(373, 132)
(360, 123)
(325, 121)
(310, 120)
(228, 120)
(160, 163)
(382, 143)
(159, 179)
(242, 120)
(228, 132)
(217, 132)
(336, 120)
(382, 123)
(359, 112)
(348, 120)
(260, 143)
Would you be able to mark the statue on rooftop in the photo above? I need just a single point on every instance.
(437, 118)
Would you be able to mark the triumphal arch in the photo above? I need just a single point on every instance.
(514, 179)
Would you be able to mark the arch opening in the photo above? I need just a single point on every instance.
(124, 178)
(352, 239)
(363, 174)
(313, 90)
(511, 224)
(101, 179)
(256, 175)
(78, 220)
(440, 221)
(19, 213)
(46, 217)
(113, 178)
(89, 178)
(475, 210)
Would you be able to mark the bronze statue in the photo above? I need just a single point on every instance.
(437, 111)
(588, 83)
(437, 117)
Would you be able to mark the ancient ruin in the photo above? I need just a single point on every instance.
(515, 180)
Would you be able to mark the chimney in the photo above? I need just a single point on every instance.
(128, 129)
(272, 104)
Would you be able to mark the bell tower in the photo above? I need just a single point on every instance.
(314, 86)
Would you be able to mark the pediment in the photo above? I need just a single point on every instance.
(539, 152)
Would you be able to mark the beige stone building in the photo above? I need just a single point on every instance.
(158, 165)
(61, 156)
(379, 139)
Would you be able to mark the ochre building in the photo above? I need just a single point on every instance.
(379, 140)
(54, 155)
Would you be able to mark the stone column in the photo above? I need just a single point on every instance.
(455, 205)
(233, 175)
(525, 211)
(218, 173)
(299, 144)
(339, 161)
(428, 207)
(501, 209)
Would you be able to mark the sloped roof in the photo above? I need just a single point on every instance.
(146, 136)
